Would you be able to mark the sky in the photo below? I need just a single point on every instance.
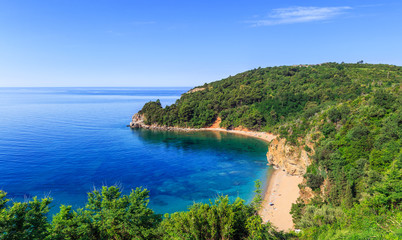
(168, 43)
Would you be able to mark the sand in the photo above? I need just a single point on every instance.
(268, 137)
(282, 192)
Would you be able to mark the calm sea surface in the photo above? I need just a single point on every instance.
(63, 142)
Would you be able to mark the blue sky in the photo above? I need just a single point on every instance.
(185, 43)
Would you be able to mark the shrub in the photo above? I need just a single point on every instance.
(314, 181)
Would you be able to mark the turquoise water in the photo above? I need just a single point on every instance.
(63, 142)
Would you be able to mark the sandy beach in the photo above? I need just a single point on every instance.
(281, 192)
(268, 137)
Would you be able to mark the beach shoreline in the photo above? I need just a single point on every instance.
(281, 192)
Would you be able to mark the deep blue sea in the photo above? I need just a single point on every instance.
(64, 142)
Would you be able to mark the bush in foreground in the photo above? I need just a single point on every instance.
(110, 215)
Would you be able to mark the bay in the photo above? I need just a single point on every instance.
(64, 142)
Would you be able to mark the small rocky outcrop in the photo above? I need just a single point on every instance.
(138, 121)
(293, 159)
(196, 90)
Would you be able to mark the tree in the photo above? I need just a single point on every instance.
(109, 215)
(27, 220)
(257, 200)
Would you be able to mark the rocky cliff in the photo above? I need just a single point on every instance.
(137, 121)
(293, 159)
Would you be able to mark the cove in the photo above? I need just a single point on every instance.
(190, 167)
(64, 142)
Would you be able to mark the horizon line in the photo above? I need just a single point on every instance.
(95, 87)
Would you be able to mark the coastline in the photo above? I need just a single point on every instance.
(267, 137)
(281, 189)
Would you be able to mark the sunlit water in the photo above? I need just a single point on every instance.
(63, 142)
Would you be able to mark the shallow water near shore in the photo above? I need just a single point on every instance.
(63, 142)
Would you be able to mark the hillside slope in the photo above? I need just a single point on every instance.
(348, 117)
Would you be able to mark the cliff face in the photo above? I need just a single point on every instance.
(294, 160)
(137, 121)
(196, 90)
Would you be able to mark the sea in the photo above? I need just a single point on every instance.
(66, 142)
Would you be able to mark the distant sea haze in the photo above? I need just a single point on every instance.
(63, 142)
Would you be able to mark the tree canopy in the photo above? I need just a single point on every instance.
(110, 215)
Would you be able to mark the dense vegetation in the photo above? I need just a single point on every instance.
(265, 98)
(111, 215)
(358, 153)
(350, 113)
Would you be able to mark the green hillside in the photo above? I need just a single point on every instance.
(267, 98)
(353, 115)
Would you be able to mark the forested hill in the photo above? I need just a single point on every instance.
(262, 98)
(350, 113)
